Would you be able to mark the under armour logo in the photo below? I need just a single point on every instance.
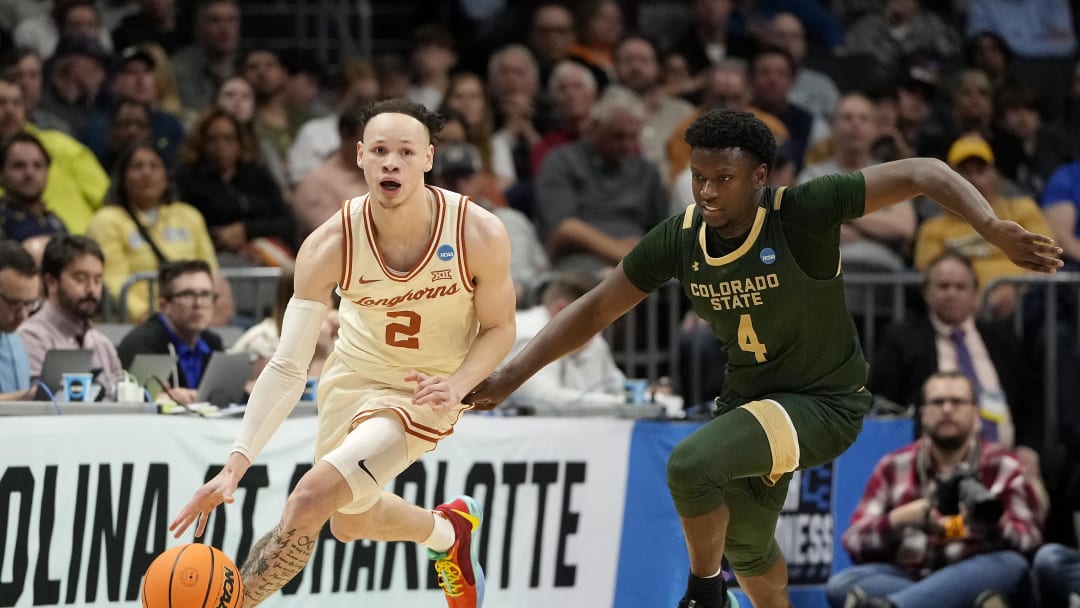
(438, 275)
(697, 266)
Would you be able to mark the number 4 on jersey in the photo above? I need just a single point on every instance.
(748, 340)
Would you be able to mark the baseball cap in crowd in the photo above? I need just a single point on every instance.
(456, 160)
(970, 146)
(922, 79)
(80, 45)
(132, 53)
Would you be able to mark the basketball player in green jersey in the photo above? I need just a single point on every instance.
(762, 266)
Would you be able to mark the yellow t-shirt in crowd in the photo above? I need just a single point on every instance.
(179, 231)
(950, 231)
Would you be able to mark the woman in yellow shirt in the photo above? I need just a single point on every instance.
(141, 225)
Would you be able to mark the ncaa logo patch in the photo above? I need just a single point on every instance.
(445, 253)
(768, 256)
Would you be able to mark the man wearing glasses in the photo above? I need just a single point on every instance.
(945, 521)
(186, 306)
(20, 291)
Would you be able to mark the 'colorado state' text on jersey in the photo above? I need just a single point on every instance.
(422, 318)
(783, 330)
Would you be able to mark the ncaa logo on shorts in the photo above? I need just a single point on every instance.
(768, 256)
(445, 253)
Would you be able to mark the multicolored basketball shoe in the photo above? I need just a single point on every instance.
(460, 575)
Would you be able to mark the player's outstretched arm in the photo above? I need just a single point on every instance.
(892, 182)
(279, 386)
(565, 333)
(218, 490)
(281, 381)
(488, 247)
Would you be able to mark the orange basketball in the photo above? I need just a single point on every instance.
(192, 576)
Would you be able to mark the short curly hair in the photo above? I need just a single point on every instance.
(431, 120)
(724, 128)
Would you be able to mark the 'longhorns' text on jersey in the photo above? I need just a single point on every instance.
(394, 320)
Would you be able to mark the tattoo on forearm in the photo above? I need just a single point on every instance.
(274, 561)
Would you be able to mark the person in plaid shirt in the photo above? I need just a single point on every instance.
(908, 553)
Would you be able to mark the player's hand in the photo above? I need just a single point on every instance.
(218, 490)
(1027, 250)
(183, 396)
(492, 391)
(435, 391)
(1029, 462)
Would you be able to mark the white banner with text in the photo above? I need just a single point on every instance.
(85, 503)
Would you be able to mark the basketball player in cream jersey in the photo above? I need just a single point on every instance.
(427, 312)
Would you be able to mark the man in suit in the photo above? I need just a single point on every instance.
(186, 305)
(949, 337)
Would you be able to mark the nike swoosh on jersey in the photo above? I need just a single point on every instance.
(363, 281)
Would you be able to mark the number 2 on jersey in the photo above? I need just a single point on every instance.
(404, 335)
(748, 341)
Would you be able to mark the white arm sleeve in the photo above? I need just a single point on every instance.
(279, 386)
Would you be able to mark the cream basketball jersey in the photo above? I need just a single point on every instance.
(394, 320)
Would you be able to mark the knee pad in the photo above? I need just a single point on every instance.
(370, 456)
(365, 494)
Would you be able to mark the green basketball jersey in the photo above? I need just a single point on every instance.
(782, 329)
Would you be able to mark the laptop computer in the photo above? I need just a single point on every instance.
(223, 379)
(56, 364)
(151, 370)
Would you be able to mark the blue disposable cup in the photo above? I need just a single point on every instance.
(635, 390)
(311, 390)
(78, 386)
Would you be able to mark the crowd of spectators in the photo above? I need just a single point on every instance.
(157, 136)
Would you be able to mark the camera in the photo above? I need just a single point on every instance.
(961, 487)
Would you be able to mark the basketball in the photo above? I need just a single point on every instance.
(192, 576)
